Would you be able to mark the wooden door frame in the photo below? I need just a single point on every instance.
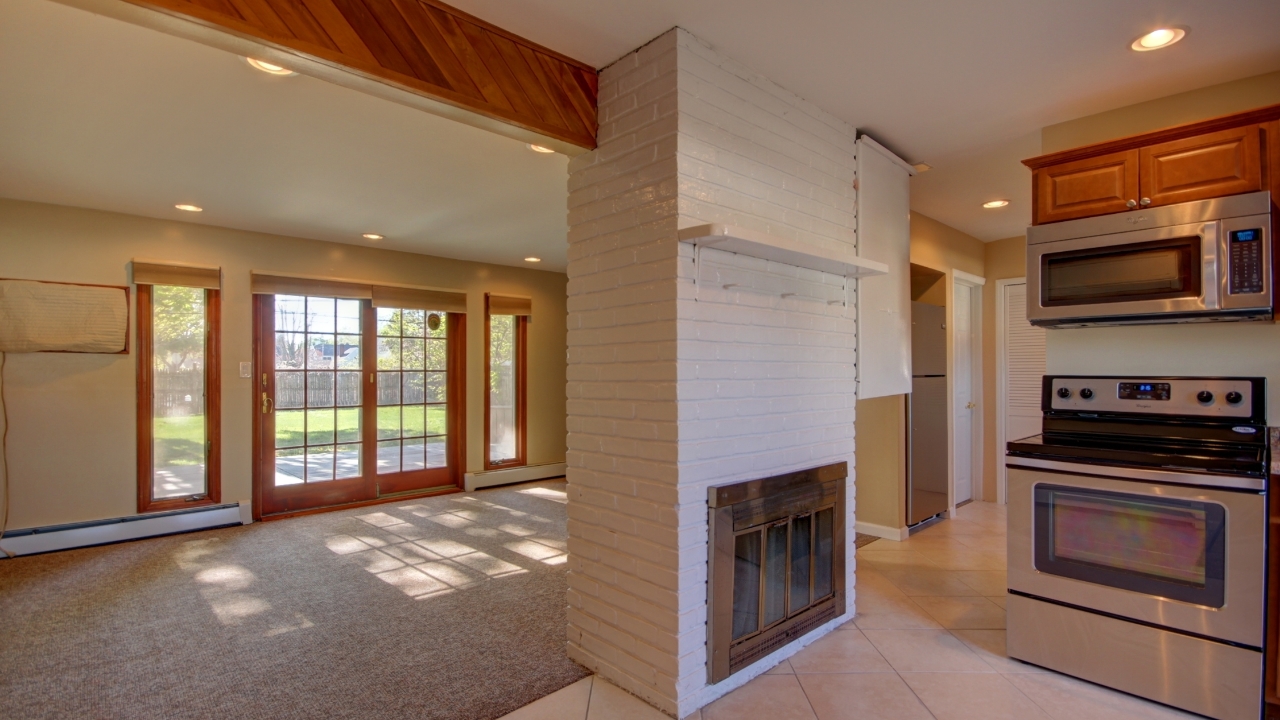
(1002, 382)
(975, 283)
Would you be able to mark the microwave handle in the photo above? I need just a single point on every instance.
(1212, 256)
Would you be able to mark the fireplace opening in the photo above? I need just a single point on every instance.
(776, 563)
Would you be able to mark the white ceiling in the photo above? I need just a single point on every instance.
(97, 113)
(101, 114)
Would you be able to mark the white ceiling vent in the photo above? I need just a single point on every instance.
(60, 317)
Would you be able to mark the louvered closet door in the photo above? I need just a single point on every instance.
(1024, 363)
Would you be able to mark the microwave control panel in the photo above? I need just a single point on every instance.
(1245, 262)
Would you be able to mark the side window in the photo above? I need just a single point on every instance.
(505, 412)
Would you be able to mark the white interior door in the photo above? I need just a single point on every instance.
(1021, 367)
(962, 389)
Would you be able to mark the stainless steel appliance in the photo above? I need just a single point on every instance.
(1137, 538)
(1209, 260)
(927, 414)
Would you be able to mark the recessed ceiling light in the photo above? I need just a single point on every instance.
(922, 167)
(267, 67)
(541, 149)
(371, 236)
(1160, 38)
(533, 259)
(990, 204)
(190, 208)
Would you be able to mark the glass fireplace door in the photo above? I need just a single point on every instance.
(1164, 547)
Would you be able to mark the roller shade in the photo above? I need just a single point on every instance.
(152, 273)
(507, 305)
(264, 284)
(419, 299)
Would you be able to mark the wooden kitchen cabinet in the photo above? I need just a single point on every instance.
(1092, 186)
(1200, 167)
(1222, 156)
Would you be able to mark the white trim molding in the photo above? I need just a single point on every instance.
(524, 473)
(882, 531)
(105, 532)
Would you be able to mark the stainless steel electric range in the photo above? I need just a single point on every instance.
(1137, 538)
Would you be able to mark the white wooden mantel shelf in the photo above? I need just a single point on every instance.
(782, 250)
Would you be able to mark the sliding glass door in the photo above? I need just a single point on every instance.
(353, 402)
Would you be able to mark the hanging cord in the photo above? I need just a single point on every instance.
(4, 451)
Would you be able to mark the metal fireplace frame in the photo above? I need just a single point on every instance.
(756, 504)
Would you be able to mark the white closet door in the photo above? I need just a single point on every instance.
(962, 387)
(1024, 363)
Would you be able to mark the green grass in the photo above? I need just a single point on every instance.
(326, 426)
(179, 440)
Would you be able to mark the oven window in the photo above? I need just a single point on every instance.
(1157, 270)
(1155, 546)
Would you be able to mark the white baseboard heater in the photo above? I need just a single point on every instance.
(51, 538)
(525, 473)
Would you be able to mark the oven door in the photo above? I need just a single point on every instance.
(1160, 271)
(1185, 558)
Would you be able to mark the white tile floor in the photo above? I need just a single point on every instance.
(927, 642)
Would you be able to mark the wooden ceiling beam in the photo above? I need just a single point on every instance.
(421, 53)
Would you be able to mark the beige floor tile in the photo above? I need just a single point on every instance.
(963, 612)
(768, 697)
(568, 703)
(964, 558)
(610, 702)
(881, 559)
(891, 613)
(1065, 698)
(782, 668)
(870, 696)
(696, 715)
(840, 652)
(986, 543)
(926, 651)
(990, 646)
(989, 583)
(958, 696)
(998, 599)
(869, 580)
(915, 582)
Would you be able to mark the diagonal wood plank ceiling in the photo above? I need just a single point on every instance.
(424, 46)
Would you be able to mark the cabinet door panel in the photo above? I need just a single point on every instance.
(1205, 166)
(1083, 188)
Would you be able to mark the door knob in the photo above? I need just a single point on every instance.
(971, 405)
(1144, 202)
(267, 404)
(1131, 204)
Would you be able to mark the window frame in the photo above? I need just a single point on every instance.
(522, 391)
(146, 409)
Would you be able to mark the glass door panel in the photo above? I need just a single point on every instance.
(179, 435)
(1156, 546)
(413, 398)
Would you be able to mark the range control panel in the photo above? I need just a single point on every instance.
(1245, 262)
(1204, 397)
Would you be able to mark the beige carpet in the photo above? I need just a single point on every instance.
(444, 608)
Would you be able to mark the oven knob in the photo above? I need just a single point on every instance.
(1204, 396)
(1234, 397)
(1064, 393)
(1086, 393)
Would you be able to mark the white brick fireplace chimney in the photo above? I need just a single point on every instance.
(689, 369)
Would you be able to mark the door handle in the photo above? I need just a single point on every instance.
(1144, 202)
(971, 405)
(1131, 204)
(268, 405)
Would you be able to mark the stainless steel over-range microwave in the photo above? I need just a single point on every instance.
(1202, 261)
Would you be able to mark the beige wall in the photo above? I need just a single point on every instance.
(72, 439)
(1249, 349)
(882, 468)
(1200, 104)
(1003, 259)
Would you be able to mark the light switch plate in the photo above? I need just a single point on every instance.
(246, 369)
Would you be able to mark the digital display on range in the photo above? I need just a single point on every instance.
(1144, 391)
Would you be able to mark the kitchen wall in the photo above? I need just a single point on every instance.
(881, 468)
(1003, 259)
(1249, 349)
(1224, 99)
(72, 445)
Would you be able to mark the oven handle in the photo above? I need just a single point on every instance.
(1233, 482)
(1210, 259)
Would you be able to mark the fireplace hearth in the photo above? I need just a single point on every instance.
(776, 563)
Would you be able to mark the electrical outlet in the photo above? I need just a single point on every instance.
(246, 370)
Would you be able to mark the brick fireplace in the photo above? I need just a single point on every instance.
(695, 368)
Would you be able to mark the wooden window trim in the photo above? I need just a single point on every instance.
(522, 392)
(213, 405)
